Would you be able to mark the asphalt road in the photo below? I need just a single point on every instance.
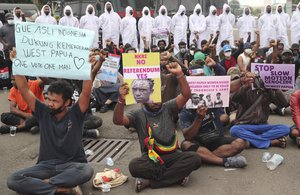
(22, 150)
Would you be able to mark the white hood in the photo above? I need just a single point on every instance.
(86, 10)
(68, 8)
(245, 10)
(198, 6)
(211, 9)
(225, 6)
(112, 8)
(180, 9)
(149, 14)
(277, 9)
(159, 11)
(127, 10)
(265, 10)
(43, 13)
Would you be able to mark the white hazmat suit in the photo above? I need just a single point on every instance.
(162, 22)
(284, 23)
(91, 22)
(179, 25)
(295, 26)
(69, 20)
(110, 25)
(45, 19)
(267, 25)
(128, 29)
(246, 24)
(197, 24)
(145, 26)
(211, 23)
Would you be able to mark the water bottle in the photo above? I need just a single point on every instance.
(274, 162)
(266, 156)
(106, 187)
(109, 161)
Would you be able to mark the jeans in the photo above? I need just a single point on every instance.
(30, 180)
(260, 135)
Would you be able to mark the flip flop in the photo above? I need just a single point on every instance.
(283, 141)
(140, 184)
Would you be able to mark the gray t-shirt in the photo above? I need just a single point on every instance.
(7, 33)
(60, 141)
(162, 123)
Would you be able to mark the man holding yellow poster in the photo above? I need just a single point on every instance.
(142, 73)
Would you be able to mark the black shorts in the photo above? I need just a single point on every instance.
(212, 145)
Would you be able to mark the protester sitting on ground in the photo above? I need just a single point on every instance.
(182, 52)
(230, 58)
(253, 113)
(20, 114)
(162, 163)
(62, 164)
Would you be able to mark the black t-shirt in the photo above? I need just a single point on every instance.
(60, 141)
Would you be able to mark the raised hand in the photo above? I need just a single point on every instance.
(123, 91)
(201, 111)
(174, 68)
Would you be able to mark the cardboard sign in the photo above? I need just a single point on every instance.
(211, 91)
(110, 69)
(142, 73)
(52, 51)
(276, 76)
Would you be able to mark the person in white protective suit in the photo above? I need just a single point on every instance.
(162, 21)
(246, 24)
(197, 24)
(284, 23)
(145, 26)
(211, 23)
(110, 24)
(91, 22)
(295, 26)
(267, 26)
(45, 17)
(69, 19)
(179, 25)
(18, 15)
(227, 20)
(128, 28)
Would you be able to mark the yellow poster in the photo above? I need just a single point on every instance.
(142, 73)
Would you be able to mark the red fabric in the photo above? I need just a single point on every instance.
(295, 108)
(230, 63)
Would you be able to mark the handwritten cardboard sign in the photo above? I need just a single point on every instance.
(52, 51)
(142, 73)
(276, 76)
(211, 91)
(109, 69)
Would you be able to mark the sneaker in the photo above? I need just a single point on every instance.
(236, 162)
(4, 129)
(34, 130)
(92, 133)
(104, 108)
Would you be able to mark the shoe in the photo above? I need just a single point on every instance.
(280, 111)
(4, 129)
(92, 133)
(104, 108)
(34, 130)
(236, 162)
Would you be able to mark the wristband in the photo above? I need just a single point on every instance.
(180, 76)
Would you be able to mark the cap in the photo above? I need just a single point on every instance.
(193, 47)
(226, 48)
(247, 45)
(9, 16)
(234, 73)
(199, 56)
(287, 51)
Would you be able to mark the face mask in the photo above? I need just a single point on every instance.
(247, 12)
(10, 22)
(268, 11)
(54, 112)
(163, 12)
(131, 12)
(198, 11)
(47, 13)
(227, 11)
(182, 50)
(248, 51)
(200, 63)
(68, 13)
(279, 10)
(90, 11)
(18, 14)
(214, 12)
(109, 9)
(192, 52)
(227, 54)
(146, 12)
(182, 13)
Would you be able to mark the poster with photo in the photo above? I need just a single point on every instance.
(110, 69)
(211, 91)
(142, 73)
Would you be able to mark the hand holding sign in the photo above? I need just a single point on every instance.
(201, 111)
(124, 90)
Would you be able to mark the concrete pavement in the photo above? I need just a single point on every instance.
(22, 150)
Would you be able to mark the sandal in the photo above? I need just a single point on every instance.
(184, 181)
(140, 184)
(283, 142)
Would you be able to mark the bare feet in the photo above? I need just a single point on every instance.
(141, 184)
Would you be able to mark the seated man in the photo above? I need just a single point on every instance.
(295, 108)
(201, 129)
(161, 163)
(253, 113)
(20, 114)
(62, 164)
